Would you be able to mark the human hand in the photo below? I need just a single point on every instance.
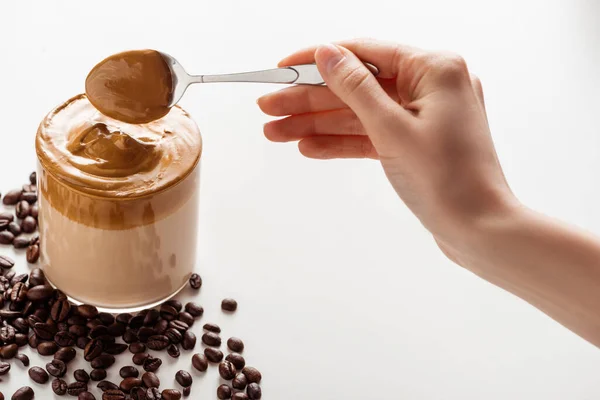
(423, 117)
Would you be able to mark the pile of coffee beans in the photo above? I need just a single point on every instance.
(34, 313)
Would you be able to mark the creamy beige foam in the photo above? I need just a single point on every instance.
(118, 204)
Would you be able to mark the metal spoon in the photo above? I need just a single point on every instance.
(306, 74)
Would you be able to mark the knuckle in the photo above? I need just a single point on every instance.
(450, 67)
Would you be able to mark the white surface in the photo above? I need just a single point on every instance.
(342, 294)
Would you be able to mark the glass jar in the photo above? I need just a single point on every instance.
(118, 205)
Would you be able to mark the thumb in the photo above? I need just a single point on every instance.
(353, 83)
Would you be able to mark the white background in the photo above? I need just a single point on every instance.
(343, 295)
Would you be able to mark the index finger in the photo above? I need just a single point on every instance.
(384, 55)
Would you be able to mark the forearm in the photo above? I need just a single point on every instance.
(553, 266)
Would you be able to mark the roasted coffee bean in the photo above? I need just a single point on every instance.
(171, 394)
(76, 319)
(227, 370)
(22, 209)
(33, 254)
(6, 262)
(45, 331)
(150, 380)
(21, 325)
(6, 237)
(20, 339)
(129, 372)
(29, 225)
(200, 362)
(139, 358)
(151, 317)
(86, 396)
(195, 281)
(32, 319)
(189, 340)
(235, 344)
(4, 368)
(4, 225)
(252, 374)
(186, 318)
(78, 330)
(93, 349)
(59, 387)
(38, 375)
(153, 394)
(19, 293)
(106, 318)
(158, 342)
(229, 305)
(65, 354)
(115, 348)
(152, 364)
(40, 292)
(237, 360)
(60, 310)
(138, 393)
(30, 197)
(161, 327)
(174, 335)
(47, 348)
(6, 216)
(173, 350)
(73, 389)
(114, 395)
(137, 321)
(98, 374)
(103, 361)
(35, 239)
(124, 318)
(24, 393)
(224, 392)
(14, 228)
(64, 339)
(130, 336)
(176, 304)
(213, 355)
(33, 341)
(62, 327)
(37, 277)
(7, 334)
(144, 333)
(18, 278)
(97, 331)
(82, 342)
(87, 311)
(56, 368)
(106, 386)
(184, 378)
(239, 396)
(94, 323)
(212, 328)
(137, 347)
(168, 312)
(240, 381)
(42, 313)
(179, 325)
(211, 339)
(12, 197)
(129, 383)
(186, 391)
(117, 329)
(194, 309)
(23, 358)
(81, 375)
(9, 351)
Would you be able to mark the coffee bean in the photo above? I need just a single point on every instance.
(168, 312)
(184, 378)
(62, 327)
(9, 351)
(227, 370)
(137, 347)
(212, 328)
(6, 216)
(106, 386)
(229, 305)
(195, 281)
(21, 325)
(64, 339)
(137, 321)
(237, 360)
(186, 318)
(4, 368)
(171, 394)
(200, 362)
(189, 340)
(129, 383)
(87, 311)
(235, 344)
(130, 336)
(73, 389)
(97, 374)
(94, 323)
(186, 391)
(151, 317)
(6, 237)
(174, 335)
(38, 375)
(179, 325)
(33, 341)
(194, 309)
(239, 396)
(82, 342)
(19, 293)
(4, 225)
(78, 330)
(6, 262)
(252, 374)
(117, 329)
(12, 197)
(86, 396)
(40, 293)
(60, 310)
(7, 334)
(59, 387)
(161, 327)
(176, 304)
(254, 391)
(47, 348)
(153, 394)
(56, 368)
(45, 331)
(158, 342)
(211, 339)
(93, 349)
(81, 375)
(124, 318)
(103, 361)
(13, 227)
(24, 393)
(115, 348)
(30, 197)
(37, 277)
(23, 358)
(29, 225)
(240, 381)
(224, 392)
(65, 354)
(129, 372)
(113, 395)
(139, 358)
(35, 239)
(22, 209)
(173, 350)
(213, 355)
(20, 339)
(152, 364)
(150, 380)
(105, 318)
(144, 333)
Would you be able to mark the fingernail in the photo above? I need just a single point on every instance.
(330, 55)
